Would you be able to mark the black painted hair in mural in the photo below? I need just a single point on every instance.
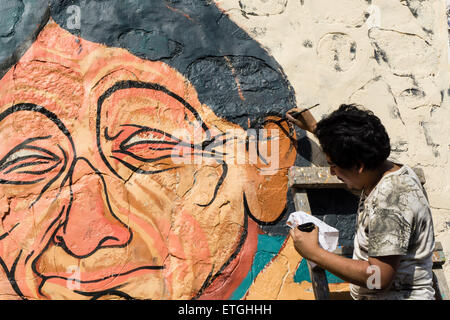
(352, 136)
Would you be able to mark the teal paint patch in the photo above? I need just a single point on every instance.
(268, 247)
(302, 274)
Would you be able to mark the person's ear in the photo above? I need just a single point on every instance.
(271, 151)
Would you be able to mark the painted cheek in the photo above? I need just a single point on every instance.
(190, 257)
(146, 207)
(29, 230)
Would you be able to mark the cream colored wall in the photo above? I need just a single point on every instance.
(389, 55)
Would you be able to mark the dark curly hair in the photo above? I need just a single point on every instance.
(351, 136)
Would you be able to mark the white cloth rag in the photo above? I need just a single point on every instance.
(328, 236)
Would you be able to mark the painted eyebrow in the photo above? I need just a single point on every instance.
(129, 84)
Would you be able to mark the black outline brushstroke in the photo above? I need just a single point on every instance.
(152, 148)
(10, 274)
(41, 172)
(23, 165)
(141, 171)
(258, 124)
(263, 223)
(111, 138)
(216, 140)
(35, 156)
(146, 160)
(2, 181)
(57, 219)
(36, 108)
(18, 159)
(151, 142)
(112, 293)
(3, 236)
(108, 292)
(288, 134)
(258, 139)
(218, 185)
(114, 275)
(29, 256)
(294, 143)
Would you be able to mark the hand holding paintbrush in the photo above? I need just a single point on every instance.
(302, 118)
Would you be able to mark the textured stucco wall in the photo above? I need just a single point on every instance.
(95, 96)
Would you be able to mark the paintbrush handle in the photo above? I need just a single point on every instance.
(296, 114)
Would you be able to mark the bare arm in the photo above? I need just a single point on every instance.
(305, 120)
(353, 271)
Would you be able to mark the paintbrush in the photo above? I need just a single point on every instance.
(297, 113)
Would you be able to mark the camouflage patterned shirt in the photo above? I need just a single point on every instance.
(395, 219)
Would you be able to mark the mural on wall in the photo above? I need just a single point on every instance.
(144, 155)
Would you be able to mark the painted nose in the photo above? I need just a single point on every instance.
(90, 223)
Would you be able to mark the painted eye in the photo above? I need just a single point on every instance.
(149, 139)
(147, 150)
(151, 145)
(25, 164)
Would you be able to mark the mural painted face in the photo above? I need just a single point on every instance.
(115, 181)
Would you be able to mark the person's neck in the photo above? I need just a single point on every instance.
(374, 176)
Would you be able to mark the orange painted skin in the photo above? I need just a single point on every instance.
(88, 182)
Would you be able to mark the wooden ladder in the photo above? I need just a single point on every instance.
(303, 178)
